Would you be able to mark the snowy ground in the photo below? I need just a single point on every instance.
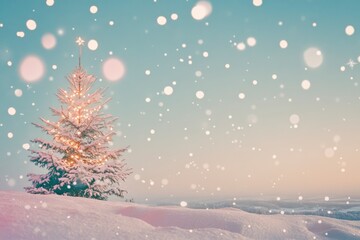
(25, 216)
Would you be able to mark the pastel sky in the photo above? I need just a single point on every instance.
(219, 99)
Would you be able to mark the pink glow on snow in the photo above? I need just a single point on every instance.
(113, 69)
(48, 41)
(32, 68)
(33, 216)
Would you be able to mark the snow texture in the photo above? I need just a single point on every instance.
(27, 216)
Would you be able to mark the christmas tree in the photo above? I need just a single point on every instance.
(78, 157)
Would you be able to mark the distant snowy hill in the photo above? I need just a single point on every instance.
(336, 208)
(26, 216)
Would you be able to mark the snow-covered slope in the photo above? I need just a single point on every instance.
(26, 216)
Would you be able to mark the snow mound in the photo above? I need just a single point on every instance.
(27, 216)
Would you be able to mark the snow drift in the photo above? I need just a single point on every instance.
(26, 216)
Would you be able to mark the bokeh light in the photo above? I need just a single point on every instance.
(32, 68)
(200, 94)
(92, 45)
(48, 41)
(294, 119)
(50, 2)
(11, 111)
(305, 84)
(31, 24)
(113, 69)
(257, 3)
(161, 20)
(313, 57)
(168, 90)
(349, 30)
(283, 44)
(201, 10)
(93, 9)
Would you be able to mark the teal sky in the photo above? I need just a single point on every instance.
(183, 147)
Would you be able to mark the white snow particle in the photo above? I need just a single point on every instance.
(18, 92)
(31, 24)
(93, 9)
(283, 44)
(200, 94)
(201, 10)
(174, 16)
(10, 135)
(147, 72)
(26, 146)
(93, 44)
(60, 32)
(161, 20)
(349, 30)
(241, 46)
(11, 111)
(251, 41)
(168, 90)
(198, 73)
(242, 96)
(20, 34)
(257, 3)
(183, 204)
(50, 2)
(305, 84)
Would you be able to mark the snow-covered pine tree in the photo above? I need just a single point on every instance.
(78, 157)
